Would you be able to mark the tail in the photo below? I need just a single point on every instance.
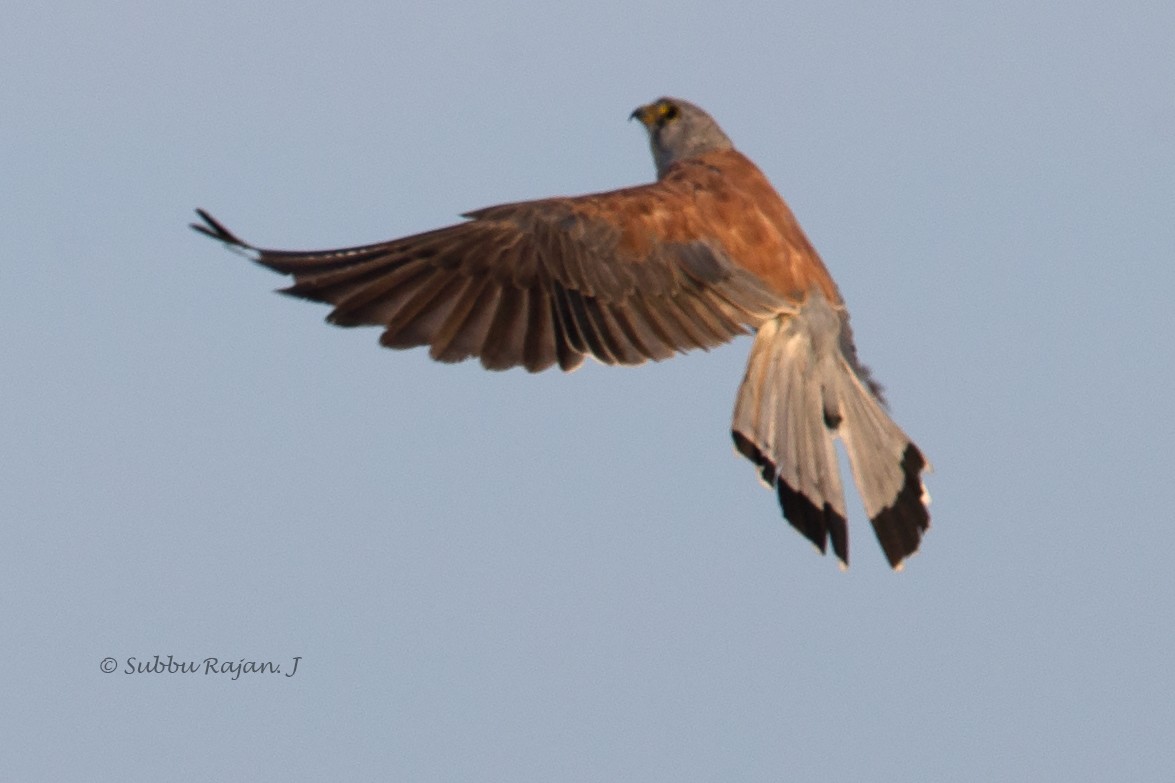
(803, 387)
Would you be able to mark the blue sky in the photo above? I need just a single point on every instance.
(514, 577)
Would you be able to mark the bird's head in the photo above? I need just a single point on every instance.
(679, 130)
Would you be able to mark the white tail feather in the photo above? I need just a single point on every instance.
(802, 389)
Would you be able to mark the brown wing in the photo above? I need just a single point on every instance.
(625, 276)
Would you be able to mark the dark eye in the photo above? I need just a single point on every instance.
(668, 112)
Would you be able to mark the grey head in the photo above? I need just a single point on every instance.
(679, 130)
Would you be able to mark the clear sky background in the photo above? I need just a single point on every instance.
(573, 578)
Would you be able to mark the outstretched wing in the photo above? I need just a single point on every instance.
(624, 277)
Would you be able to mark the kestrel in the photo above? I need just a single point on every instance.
(707, 252)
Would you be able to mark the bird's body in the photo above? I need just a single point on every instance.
(707, 252)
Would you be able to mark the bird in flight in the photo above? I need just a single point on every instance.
(705, 253)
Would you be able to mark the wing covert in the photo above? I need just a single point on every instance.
(624, 277)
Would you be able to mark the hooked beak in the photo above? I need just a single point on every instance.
(646, 114)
